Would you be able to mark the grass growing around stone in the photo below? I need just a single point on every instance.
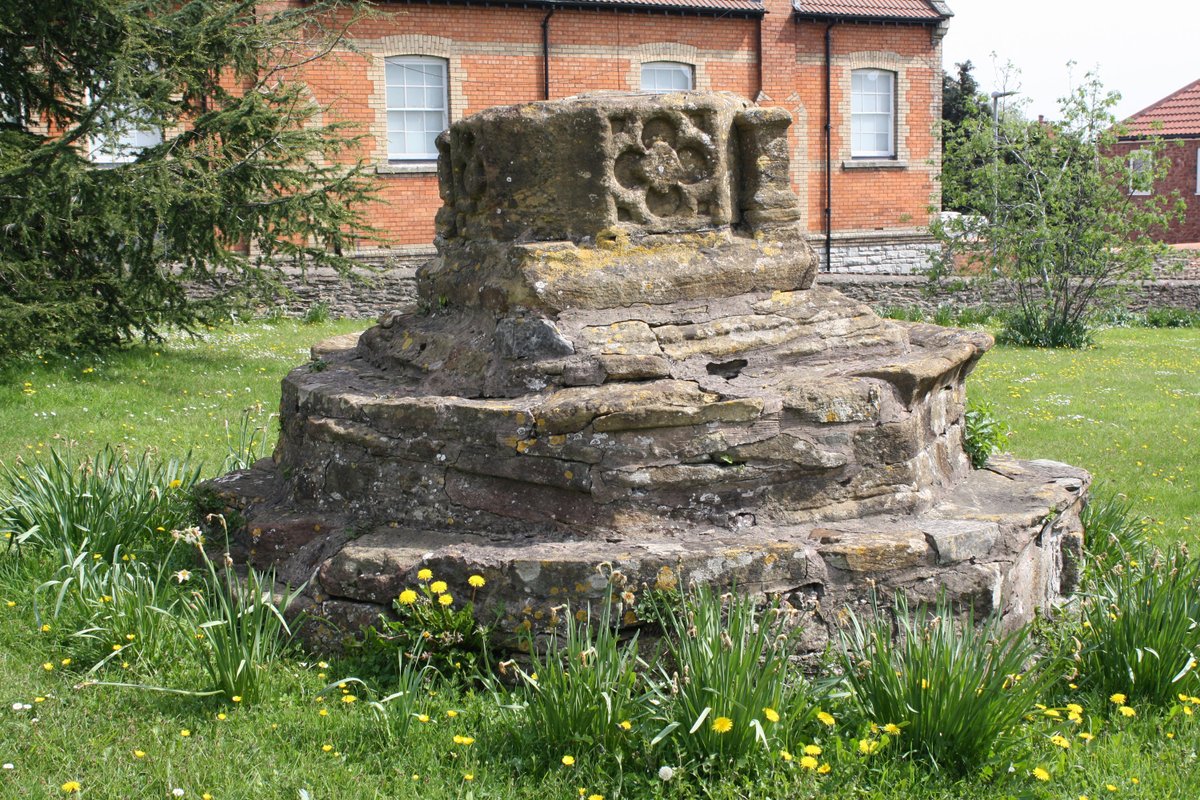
(304, 739)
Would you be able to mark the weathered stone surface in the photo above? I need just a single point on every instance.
(621, 368)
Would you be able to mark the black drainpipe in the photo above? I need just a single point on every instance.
(546, 54)
(828, 148)
(759, 44)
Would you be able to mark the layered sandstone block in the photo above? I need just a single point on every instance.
(621, 358)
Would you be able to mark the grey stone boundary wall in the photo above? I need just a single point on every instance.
(863, 270)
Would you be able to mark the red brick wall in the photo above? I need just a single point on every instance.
(1182, 178)
(495, 58)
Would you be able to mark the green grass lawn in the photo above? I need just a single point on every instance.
(1127, 410)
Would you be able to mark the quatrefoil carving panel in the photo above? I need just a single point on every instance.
(667, 170)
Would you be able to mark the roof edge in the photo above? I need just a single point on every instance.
(939, 7)
(595, 5)
(1162, 100)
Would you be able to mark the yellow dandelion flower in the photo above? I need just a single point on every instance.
(1052, 712)
(437, 587)
(824, 769)
(812, 750)
(625, 725)
(1110, 787)
(825, 718)
(139, 753)
(568, 761)
(408, 597)
(349, 698)
(451, 713)
(468, 777)
(424, 575)
(1118, 698)
(48, 667)
(867, 746)
(422, 718)
(595, 797)
(185, 733)
(71, 787)
(326, 747)
(476, 581)
(175, 484)
(324, 712)
(1060, 741)
(808, 762)
(785, 755)
(1074, 708)
(46, 628)
(722, 725)
(1187, 710)
(891, 729)
(1087, 737)
(446, 600)
(1041, 774)
(237, 698)
(771, 714)
(221, 717)
(1126, 711)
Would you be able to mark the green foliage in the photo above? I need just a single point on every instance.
(248, 176)
(396, 712)
(955, 691)
(983, 433)
(250, 440)
(108, 504)
(429, 623)
(1111, 532)
(316, 314)
(1141, 629)
(583, 692)
(1172, 318)
(233, 626)
(1050, 213)
(732, 683)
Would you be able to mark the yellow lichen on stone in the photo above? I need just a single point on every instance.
(666, 579)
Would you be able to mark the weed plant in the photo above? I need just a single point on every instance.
(111, 503)
(1141, 629)
(983, 433)
(955, 692)
(249, 440)
(1111, 533)
(584, 691)
(726, 699)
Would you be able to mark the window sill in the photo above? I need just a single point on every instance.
(874, 163)
(406, 168)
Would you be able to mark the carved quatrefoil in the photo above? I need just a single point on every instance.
(664, 170)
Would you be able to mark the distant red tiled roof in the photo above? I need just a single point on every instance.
(1177, 114)
(685, 5)
(730, 8)
(907, 10)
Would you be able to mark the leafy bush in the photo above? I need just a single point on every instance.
(983, 433)
(107, 505)
(1141, 629)
(954, 692)
(733, 683)
(584, 690)
(316, 314)
(1172, 318)
(1035, 330)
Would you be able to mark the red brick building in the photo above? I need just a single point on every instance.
(862, 79)
(1175, 118)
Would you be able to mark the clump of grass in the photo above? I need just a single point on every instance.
(584, 690)
(1141, 629)
(955, 692)
(249, 440)
(734, 692)
(1111, 531)
(107, 504)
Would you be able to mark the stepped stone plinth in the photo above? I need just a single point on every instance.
(621, 359)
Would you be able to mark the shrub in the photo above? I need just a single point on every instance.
(585, 689)
(316, 314)
(1036, 330)
(734, 691)
(1141, 629)
(954, 691)
(983, 433)
(112, 503)
(1172, 318)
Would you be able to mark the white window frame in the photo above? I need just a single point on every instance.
(858, 115)
(677, 68)
(126, 146)
(1198, 170)
(1140, 161)
(425, 109)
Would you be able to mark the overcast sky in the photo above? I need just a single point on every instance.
(1143, 50)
